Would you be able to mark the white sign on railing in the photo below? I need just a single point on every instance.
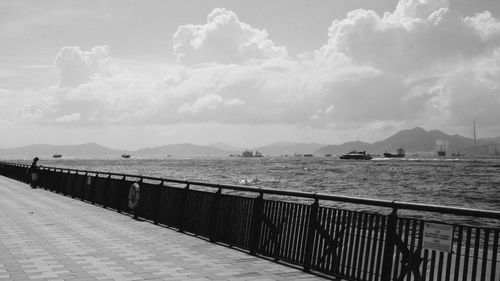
(438, 236)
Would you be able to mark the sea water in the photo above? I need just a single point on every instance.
(466, 183)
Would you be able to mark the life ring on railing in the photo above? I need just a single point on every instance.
(134, 195)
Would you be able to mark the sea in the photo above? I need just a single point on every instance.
(457, 182)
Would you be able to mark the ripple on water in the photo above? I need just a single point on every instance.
(454, 183)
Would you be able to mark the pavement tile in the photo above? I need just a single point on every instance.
(47, 236)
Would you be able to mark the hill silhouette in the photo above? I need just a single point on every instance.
(47, 150)
(415, 140)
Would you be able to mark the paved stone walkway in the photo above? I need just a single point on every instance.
(47, 236)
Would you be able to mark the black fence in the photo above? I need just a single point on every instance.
(300, 228)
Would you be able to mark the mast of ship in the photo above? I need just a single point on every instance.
(475, 135)
(475, 141)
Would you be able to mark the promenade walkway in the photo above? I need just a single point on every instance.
(47, 236)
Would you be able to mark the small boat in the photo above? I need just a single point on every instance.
(400, 153)
(308, 155)
(357, 155)
(125, 155)
(56, 156)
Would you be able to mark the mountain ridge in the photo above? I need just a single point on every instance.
(416, 140)
(48, 150)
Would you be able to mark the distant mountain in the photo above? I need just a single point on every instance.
(419, 140)
(183, 149)
(92, 150)
(48, 150)
(413, 141)
(289, 148)
(486, 149)
(492, 140)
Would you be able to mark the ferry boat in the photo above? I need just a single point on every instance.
(356, 155)
(400, 153)
(125, 155)
(56, 156)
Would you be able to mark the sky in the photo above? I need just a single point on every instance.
(133, 74)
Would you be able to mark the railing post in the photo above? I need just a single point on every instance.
(182, 211)
(45, 178)
(313, 224)
(26, 178)
(156, 207)
(62, 182)
(390, 237)
(92, 188)
(70, 185)
(56, 179)
(40, 177)
(256, 225)
(117, 194)
(104, 192)
(49, 178)
(67, 184)
(83, 186)
(214, 213)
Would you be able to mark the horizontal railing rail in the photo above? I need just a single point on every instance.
(309, 195)
(349, 244)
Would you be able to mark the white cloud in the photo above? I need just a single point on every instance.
(422, 64)
(76, 66)
(486, 26)
(209, 102)
(418, 9)
(426, 55)
(473, 93)
(412, 38)
(69, 118)
(223, 39)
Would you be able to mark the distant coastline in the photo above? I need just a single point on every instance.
(415, 141)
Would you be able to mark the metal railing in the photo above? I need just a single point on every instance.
(319, 237)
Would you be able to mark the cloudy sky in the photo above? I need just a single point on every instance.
(132, 74)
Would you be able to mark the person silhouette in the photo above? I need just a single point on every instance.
(33, 171)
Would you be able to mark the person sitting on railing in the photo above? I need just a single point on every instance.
(33, 173)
